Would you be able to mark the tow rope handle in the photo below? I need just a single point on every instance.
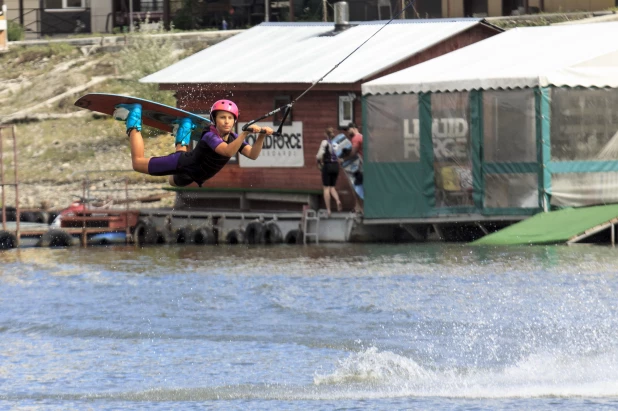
(287, 108)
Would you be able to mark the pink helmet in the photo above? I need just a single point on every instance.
(224, 105)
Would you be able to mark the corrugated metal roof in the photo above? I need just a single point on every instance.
(297, 53)
(578, 55)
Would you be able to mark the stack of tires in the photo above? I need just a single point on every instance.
(201, 235)
(263, 233)
(147, 233)
(256, 232)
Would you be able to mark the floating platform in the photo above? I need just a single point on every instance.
(566, 226)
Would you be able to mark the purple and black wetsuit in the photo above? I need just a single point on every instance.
(197, 165)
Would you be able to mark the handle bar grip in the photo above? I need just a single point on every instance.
(245, 128)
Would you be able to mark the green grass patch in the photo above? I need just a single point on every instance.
(15, 31)
(49, 50)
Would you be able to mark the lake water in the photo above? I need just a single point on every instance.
(333, 327)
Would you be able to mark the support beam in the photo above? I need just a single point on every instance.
(543, 130)
(413, 232)
(166, 14)
(483, 229)
(596, 229)
(21, 13)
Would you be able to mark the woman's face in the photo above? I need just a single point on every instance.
(224, 121)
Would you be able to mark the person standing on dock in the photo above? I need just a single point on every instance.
(356, 139)
(329, 165)
(213, 151)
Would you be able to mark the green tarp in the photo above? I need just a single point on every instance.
(552, 227)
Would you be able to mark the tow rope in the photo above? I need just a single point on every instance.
(288, 107)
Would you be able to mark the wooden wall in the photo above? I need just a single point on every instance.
(317, 110)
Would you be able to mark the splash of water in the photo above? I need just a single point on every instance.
(549, 374)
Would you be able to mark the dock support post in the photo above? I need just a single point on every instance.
(438, 231)
(482, 227)
(128, 238)
(543, 136)
(84, 237)
(244, 203)
(613, 234)
(2, 183)
(413, 232)
(15, 184)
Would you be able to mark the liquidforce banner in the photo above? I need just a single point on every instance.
(285, 150)
(450, 138)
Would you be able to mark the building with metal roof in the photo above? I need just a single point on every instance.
(303, 52)
(269, 65)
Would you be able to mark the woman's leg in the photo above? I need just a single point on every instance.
(326, 191)
(131, 114)
(140, 163)
(335, 195)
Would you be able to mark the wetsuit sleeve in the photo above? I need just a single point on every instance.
(242, 145)
(212, 140)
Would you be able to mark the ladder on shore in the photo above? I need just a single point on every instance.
(310, 215)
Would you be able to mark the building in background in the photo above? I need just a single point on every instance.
(510, 126)
(62, 17)
(271, 64)
(496, 8)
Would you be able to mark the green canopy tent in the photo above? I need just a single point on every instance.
(515, 124)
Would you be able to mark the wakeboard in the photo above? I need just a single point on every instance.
(351, 165)
(159, 116)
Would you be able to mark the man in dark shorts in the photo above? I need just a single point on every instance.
(213, 151)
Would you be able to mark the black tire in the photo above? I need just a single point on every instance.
(7, 240)
(11, 213)
(184, 235)
(165, 237)
(234, 237)
(271, 234)
(203, 235)
(145, 233)
(27, 217)
(294, 237)
(55, 238)
(40, 217)
(253, 232)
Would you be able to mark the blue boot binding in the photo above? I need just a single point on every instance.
(182, 130)
(131, 114)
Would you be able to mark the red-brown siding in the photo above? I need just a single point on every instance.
(317, 110)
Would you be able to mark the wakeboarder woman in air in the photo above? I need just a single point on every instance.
(213, 151)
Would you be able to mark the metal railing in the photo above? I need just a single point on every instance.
(39, 22)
